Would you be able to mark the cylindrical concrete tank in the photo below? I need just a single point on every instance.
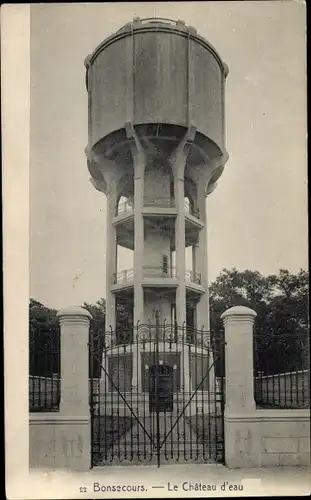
(162, 77)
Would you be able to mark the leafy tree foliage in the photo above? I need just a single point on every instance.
(42, 316)
(98, 313)
(43, 340)
(44, 337)
(281, 303)
(288, 307)
(124, 321)
(280, 300)
(96, 335)
(238, 288)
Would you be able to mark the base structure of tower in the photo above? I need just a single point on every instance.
(162, 374)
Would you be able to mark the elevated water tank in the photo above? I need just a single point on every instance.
(162, 77)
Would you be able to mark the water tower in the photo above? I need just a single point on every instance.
(156, 148)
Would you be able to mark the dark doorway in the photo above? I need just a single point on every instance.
(161, 388)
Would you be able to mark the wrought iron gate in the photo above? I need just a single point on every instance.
(157, 396)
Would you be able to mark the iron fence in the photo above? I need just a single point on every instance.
(282, 370)
(44, 369)
(123, 340)
(161, 396)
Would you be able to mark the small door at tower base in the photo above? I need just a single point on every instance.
(160, 388)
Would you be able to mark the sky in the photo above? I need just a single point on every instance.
(257, 216)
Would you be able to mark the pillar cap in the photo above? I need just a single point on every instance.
(239, 311)
(73, 311)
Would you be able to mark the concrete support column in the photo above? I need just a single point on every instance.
(138, 248)
(138, 274)
(202, 309)
(139, 162)
(178, 161)
(111, 260)
(203, 320)
(180, 251)
(74, 403)
(194, 258)
(242, 444)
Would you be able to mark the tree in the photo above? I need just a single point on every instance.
(280, 300)
(290, 300)
(281, 303)
(44, 337)
(44, 358)
(124, 321)
(44, 333)
(239, 288)
(96, 335)
(42, 316)
(98, 313)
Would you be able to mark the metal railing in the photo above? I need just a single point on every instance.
(192, 211)
(125, 208)
(159, 272)
(165, 332)
(160, 202)
(193, 277)
(44, 370)
(282, 370)
(124, 276)
(127, 275)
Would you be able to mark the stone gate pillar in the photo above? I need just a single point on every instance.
(242, 444)
(73, 434)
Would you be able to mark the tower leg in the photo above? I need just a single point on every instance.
(139, 162)
(180, 254)
(111, 259)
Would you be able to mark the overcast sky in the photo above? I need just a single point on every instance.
(257, 214)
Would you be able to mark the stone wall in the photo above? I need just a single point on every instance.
(63, 439)
(268, 438)
(257, 437)
(284, 437)
(59, 442)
